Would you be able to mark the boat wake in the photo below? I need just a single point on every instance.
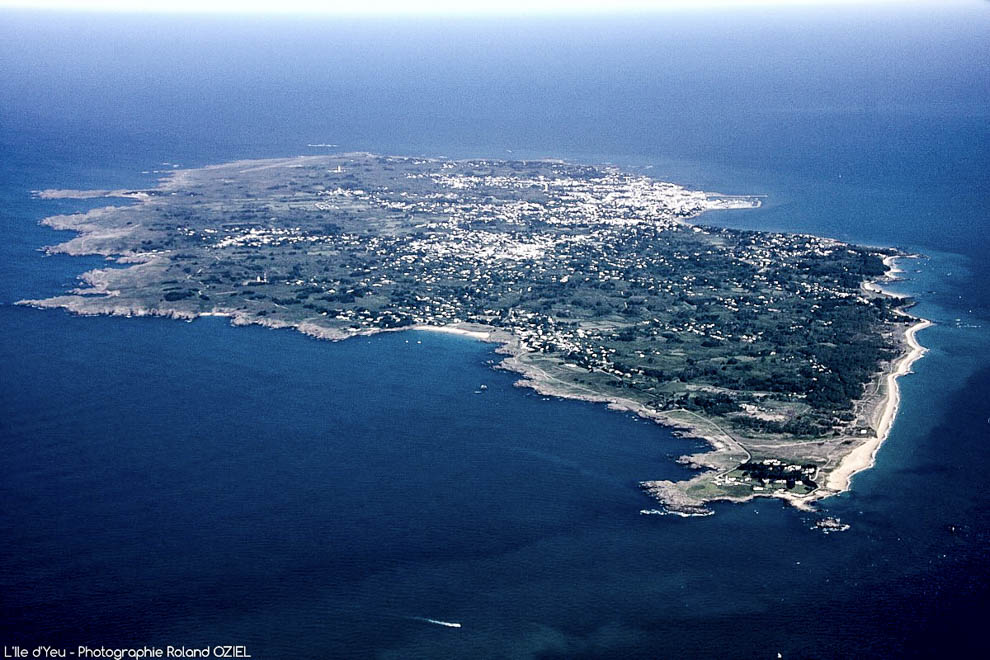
(437, 622)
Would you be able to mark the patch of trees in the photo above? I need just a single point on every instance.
(393, 321)
(717, 403)
(172, 296)
(305, 292)
(806, 426)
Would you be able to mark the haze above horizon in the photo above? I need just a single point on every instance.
(439, 7)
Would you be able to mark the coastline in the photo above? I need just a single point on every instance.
(725, 451)
(880, 417)
(864, 457)
(687, 497)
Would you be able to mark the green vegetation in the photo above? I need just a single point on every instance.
(594, 270)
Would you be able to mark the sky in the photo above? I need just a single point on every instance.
(429, 6)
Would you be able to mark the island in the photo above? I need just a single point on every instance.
(781, 351)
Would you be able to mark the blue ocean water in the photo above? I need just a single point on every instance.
(194, 484)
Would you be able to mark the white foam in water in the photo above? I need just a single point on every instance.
(448, 624)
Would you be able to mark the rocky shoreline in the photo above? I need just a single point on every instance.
(689, 497)
(725, 453)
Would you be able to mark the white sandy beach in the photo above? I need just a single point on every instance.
(481, 335)
(864, 456)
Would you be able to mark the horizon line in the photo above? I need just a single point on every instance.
(444, 8)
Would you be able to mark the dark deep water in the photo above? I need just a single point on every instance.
(195, 484)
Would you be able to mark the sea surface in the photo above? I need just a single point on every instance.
(195, 484)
